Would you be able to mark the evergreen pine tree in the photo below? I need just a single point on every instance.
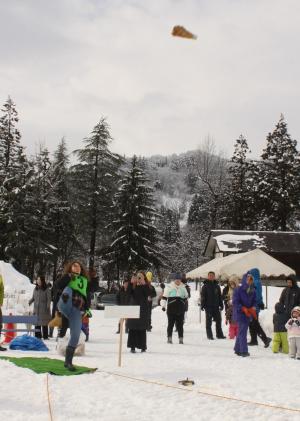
(94, 182)
(135, 235)
(239, 209)
(278, 177)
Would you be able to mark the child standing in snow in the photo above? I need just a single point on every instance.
(293, 328)
(227, 298)
(280, 339)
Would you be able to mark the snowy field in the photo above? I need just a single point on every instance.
(144, 393)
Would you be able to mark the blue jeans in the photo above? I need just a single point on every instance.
(73, 315)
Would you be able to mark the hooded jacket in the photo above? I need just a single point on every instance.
(244, 296)
(258, 288)
(176, 297)
(290, 297)
(293, 325)
(279, 318)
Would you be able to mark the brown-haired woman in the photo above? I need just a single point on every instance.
(73, 303)
(42, 301)
(139, 292)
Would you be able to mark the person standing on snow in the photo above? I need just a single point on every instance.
(211, 302)
(174, 300)
(255, 328)
(244, 303)
(293, 328)
(227, 295)
(280, 339)
(137, 328)
(73, 304)
(1, 304)
(41, 300)
(290, 296)
(152, 294)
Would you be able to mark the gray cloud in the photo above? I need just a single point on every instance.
(68, 62)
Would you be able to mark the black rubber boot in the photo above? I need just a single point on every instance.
(69, 358)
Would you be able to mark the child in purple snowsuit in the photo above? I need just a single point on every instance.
(244, 302)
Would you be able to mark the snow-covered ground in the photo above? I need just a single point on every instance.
(105, 395)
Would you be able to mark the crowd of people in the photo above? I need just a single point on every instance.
(241, 299)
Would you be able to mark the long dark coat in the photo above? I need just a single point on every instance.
(139, 296)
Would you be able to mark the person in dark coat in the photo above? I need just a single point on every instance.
(255, 327)
(137, 328)
(244, 302)
(152, 294)
(123, 299)
(212, 303)
(280, 339)
(290, 296)
(41, 300)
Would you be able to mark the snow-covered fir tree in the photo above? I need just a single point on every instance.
(93, 183)
(135, 236)
(238, 197)
(278, 181)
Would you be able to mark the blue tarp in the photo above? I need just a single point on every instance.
(28, 343)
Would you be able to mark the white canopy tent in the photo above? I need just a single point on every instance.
(240, 263)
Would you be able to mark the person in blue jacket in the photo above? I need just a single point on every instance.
(244, 303)
(255, 328)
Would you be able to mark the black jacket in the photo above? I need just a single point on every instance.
(290, 298)
(279, 318)
(211, 297)
(123, 297)
(139, 296)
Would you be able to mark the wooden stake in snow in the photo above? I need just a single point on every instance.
(121, 313)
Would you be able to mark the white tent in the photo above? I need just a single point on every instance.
(14, 281)
(240, 263)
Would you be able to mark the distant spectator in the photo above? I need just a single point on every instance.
(227, 295)
(1, 304)
(280, 340)
(41, 300)
(211, 302)
(293, 328)
(290, 296)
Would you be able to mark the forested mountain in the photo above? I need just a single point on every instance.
(118, 214)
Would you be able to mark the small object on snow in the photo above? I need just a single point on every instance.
(180, 31)
(187, 382)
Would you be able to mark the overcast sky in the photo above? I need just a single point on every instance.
(66, 63)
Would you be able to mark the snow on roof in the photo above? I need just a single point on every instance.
(230, 242)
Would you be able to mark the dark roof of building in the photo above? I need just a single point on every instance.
(233, 241)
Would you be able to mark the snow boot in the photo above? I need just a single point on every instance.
(132, 350)
(69, 358)
(244, 354)
(181, 340)
(2, 348)
(267, 342)
(252, 343)
(170, 340)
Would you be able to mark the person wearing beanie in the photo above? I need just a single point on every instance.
(293, 328)
(290, 296)
(212, 303)
(1, 304)
(280, 340)
(173, 300)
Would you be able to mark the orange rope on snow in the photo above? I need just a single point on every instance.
(201, 392)
(48, 397)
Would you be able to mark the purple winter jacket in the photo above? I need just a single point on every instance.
(243, 296)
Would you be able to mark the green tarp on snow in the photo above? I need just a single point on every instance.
(47, 365)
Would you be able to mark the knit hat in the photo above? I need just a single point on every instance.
(176, 275)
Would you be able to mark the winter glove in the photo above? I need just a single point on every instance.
(202, 308)
(88, 313)
(252, 312)
(221, 308)
(163, 309)
(261, 306)
(297, 322)
(245, 310)
(291, 322)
